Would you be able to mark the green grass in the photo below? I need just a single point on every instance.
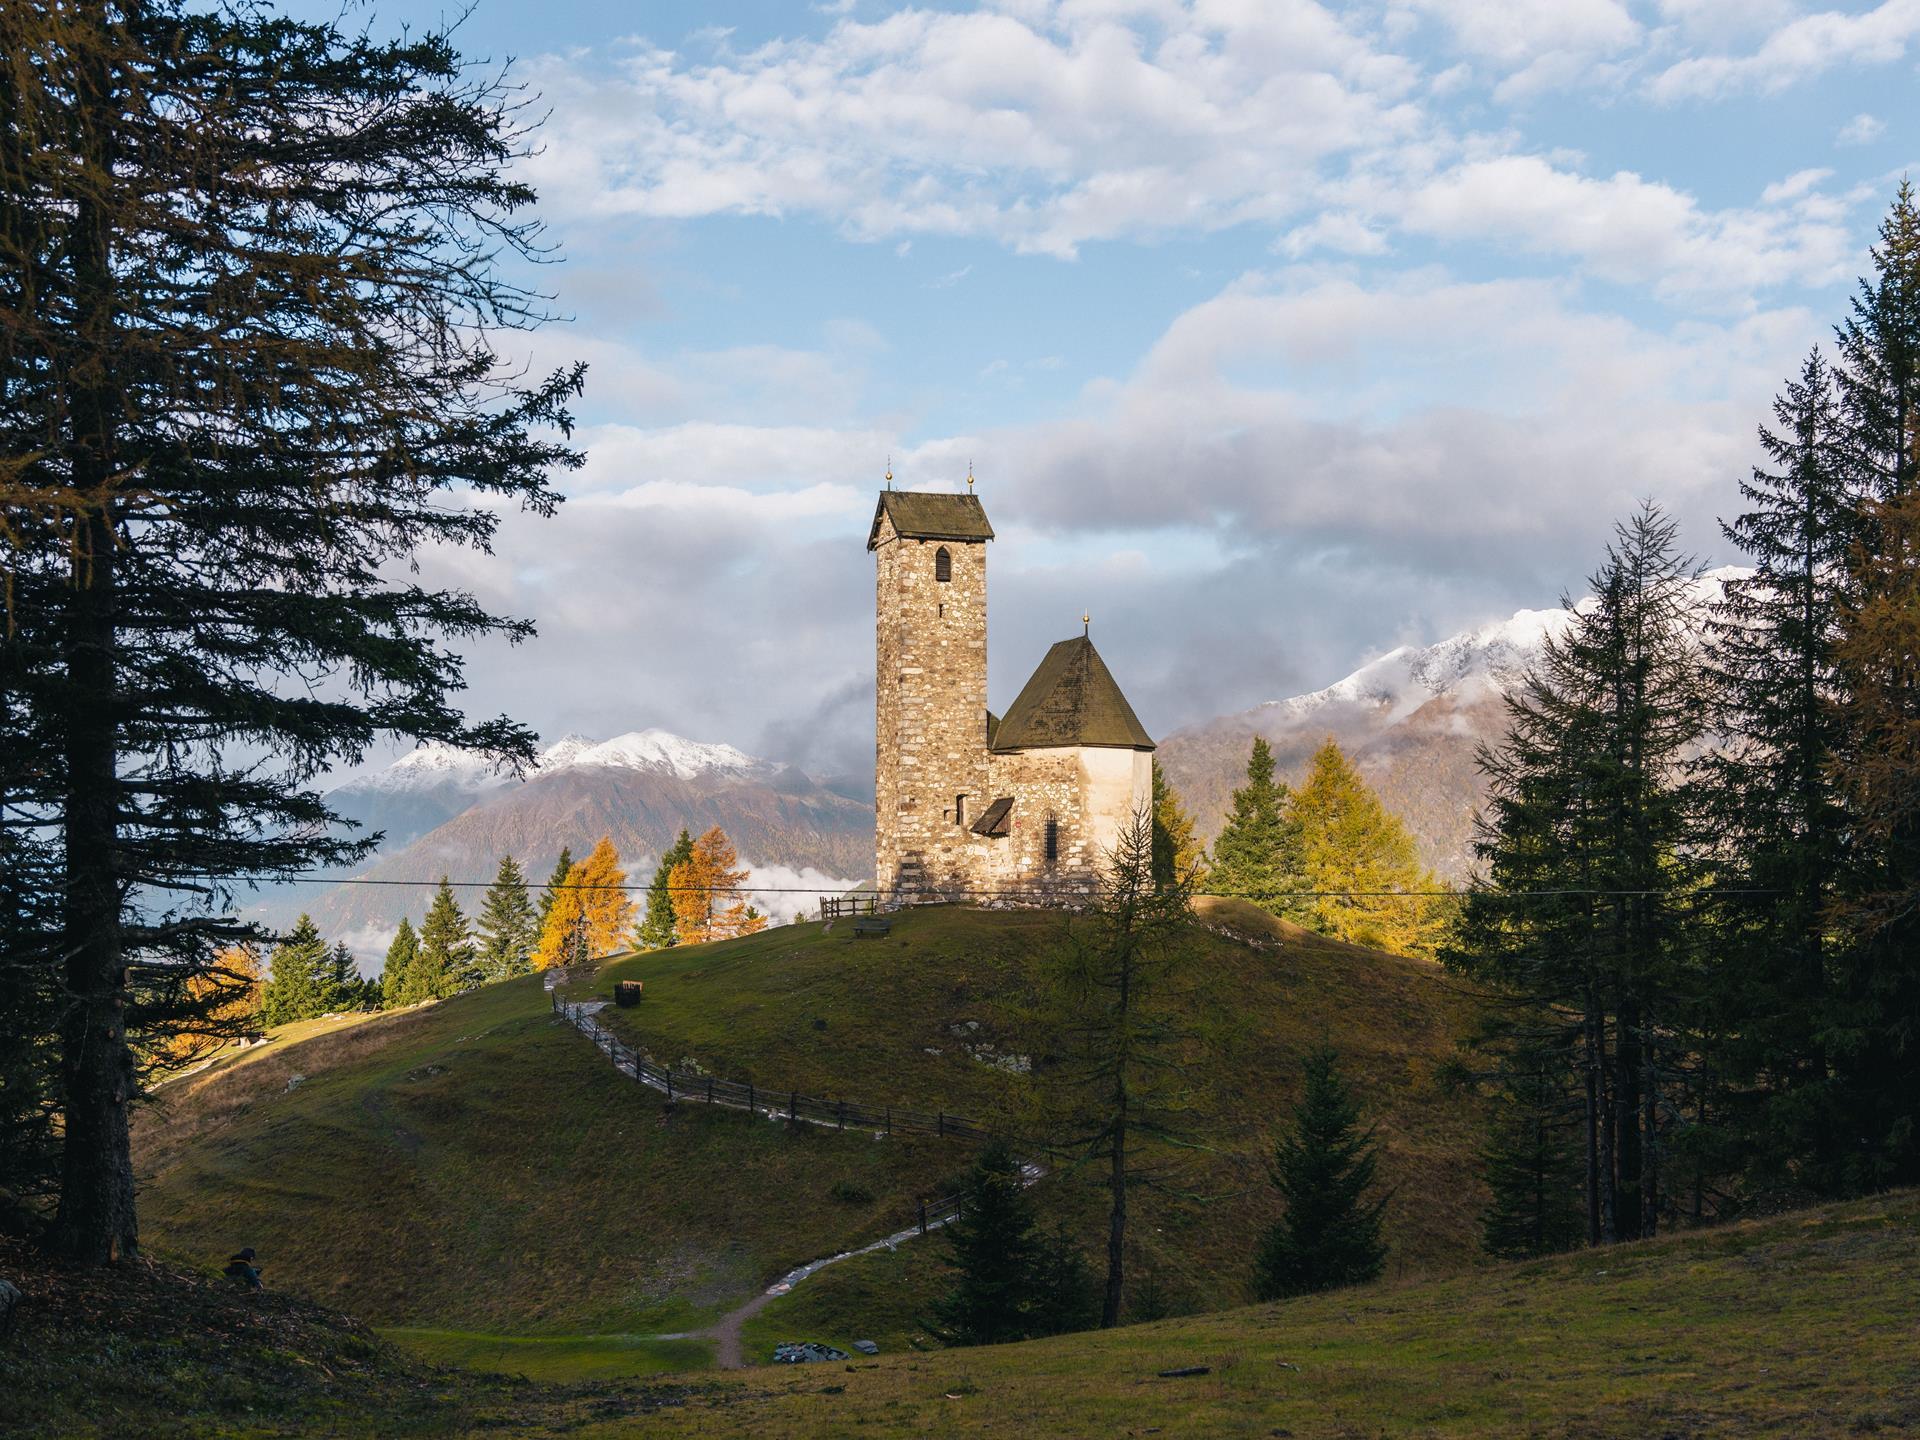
(816, 1010)
(1799, 1325)
(1796, 1325)
(569, 1357)
(476, 1166)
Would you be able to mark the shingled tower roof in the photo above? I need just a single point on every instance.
(1072, 699)
(925, 515)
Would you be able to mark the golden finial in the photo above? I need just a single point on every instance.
(889, 472)
(969, 477)
(1086, 622)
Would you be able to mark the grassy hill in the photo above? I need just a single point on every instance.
(915, 1019)
(474, 1169)
(473, 1177)
(1798, 1325)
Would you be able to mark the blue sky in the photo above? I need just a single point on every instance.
(1276, 334)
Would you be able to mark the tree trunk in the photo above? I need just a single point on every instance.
(1117, 1219)
(96, 1221)
(1628, 1157)
(1595, 1229)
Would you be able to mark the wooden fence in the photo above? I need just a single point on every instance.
(832, 907)
(786, 1104)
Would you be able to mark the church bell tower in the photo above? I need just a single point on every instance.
(930, 684)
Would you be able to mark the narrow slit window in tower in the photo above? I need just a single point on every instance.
(942, 565)
(960, 811)
(1053, 838)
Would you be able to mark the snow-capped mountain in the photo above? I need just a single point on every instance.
(657, 750)
(1412, 719)
(444, 812)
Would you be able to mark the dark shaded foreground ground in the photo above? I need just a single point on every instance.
(1804, 1324)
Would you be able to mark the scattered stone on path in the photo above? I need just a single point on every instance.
(866, 1347)
(293, 1082)
(805, 1352)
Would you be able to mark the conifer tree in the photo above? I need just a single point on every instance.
(398, 982)
(1177, 850)
(1533, 1164)
(508, 926)
(554, 881)
(1355, 857)
(1130, 1006)
(446, 962)
(342, 987)
(656, 930)
(1328, 1235)
(1585, 906)
(995, 1256)
(301, 982)
(1257, 853)
(1876, 1056)
(233, 991)
(1878, 377)
(1770, 790)
(256, 268)
(591, 916)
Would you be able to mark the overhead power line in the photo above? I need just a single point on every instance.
(1455, 893)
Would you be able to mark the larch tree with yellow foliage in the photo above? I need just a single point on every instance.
(707, 900)
(1357, 858)
(224, 1001)
(590, 915)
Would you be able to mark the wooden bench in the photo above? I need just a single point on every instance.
(871, 925)
(627, 992)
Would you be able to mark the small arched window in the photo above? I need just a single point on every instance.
(942, 565)
(1053, 838)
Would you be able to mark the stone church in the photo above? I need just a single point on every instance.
(1023, 806)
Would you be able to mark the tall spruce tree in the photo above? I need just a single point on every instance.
(1587, 840)
(656, 930)
(343, 989)
(446, 962)
(561, 868)
(1328, 1235)
(1257, 853)
(1874, 1033)
(253, 268)
(300, 985)
(1776, 819)
(508, 926)
(399, 984)
(1878, 375)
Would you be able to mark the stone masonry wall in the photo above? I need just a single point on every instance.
(930, 714)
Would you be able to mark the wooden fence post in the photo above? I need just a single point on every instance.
(941, 1125)
(923, 1217)
(669, 1087)
(843, 1114)
(752, 1108)
(709, 1089)
(793, 1103)
(889, 1119)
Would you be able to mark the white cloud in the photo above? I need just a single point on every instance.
(1631, 229)
(1798, 50)
(1042, 130)
(1861, 130)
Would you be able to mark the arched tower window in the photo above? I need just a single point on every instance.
(942, 565)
